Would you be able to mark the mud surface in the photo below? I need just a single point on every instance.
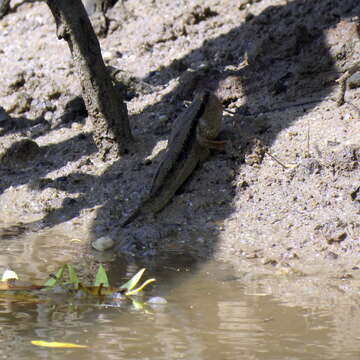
(285, 196)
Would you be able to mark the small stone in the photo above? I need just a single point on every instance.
(108, 55)
(103, 243)
(20, 153)
(48, 116)
(157, 300)
(76, 106)
(163, 119)
(337, 237)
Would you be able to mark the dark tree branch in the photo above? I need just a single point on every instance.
(103, 101)
(4, 7)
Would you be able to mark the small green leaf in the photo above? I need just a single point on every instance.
(140, 288)
(141, 306)
(101, 277)
(73, 277)
(138, 305)
(56, 278)
(129, 285)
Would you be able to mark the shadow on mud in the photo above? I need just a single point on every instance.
(290, 67)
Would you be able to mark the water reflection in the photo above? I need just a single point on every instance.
(212, 312)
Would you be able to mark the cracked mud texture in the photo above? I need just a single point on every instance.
(285, 196)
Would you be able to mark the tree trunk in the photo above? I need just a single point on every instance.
(103, 101)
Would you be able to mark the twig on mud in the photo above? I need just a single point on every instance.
(343, 81)
(278, 161)
(261, 148)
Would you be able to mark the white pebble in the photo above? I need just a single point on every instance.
(103, 243)
(157, 300)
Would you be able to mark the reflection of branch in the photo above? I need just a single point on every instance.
(103, 101)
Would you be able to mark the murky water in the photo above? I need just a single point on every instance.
(212, 313)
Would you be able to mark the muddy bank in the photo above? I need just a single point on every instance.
(285, 195)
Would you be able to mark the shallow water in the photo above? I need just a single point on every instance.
(212, 313)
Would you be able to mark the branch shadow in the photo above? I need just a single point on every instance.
(295, 54)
